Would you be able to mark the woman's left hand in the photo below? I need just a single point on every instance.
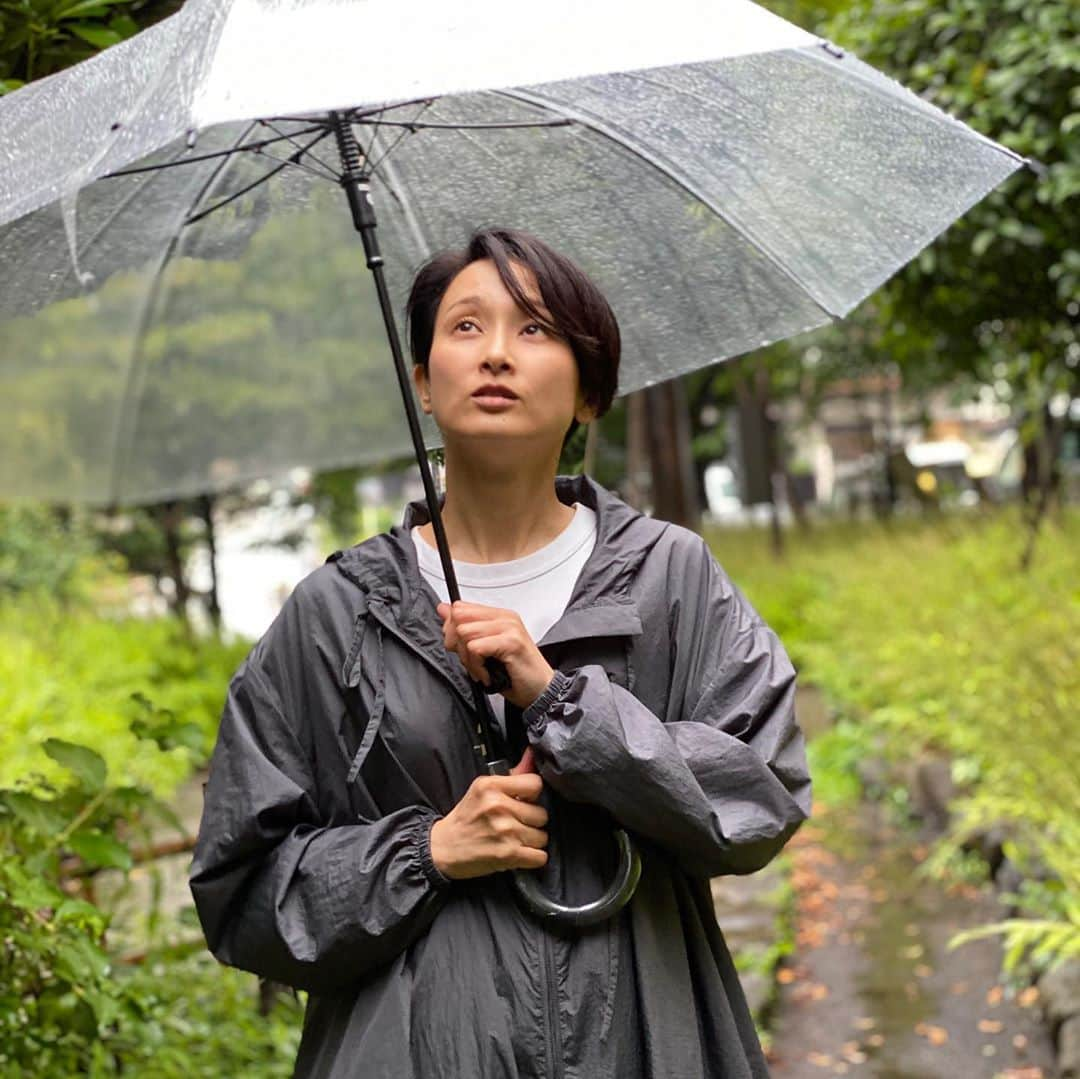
(475, 632)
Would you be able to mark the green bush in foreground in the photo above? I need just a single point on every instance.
(925, 631)
(67, 1006)
(68, 673)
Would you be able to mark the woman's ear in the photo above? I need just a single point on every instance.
(423, 389)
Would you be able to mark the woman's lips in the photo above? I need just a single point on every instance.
(494, 397)
(493, 402)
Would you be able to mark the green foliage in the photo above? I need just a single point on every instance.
(39, 37)
(44, 551)
(67, 1006)
(70, 674)
(996, 295)
(926, 633)
(833, 758)
(42, 36)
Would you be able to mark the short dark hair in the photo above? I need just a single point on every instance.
(580, 314)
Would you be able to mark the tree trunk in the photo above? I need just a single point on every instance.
(172, 517)
(674, 487)
(1047, 479)
(758, 453)
(637, 461)
(213, 607)
(588, 464)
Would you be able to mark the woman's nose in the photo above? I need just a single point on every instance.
(497, 356)
(495, 364)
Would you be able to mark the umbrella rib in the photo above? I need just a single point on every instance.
(101, 228)
(307, 152)
(631, 146)
(406, 130)
(296, 161)
(260, 180)
(490, 125)
(131, 392)
(254, 146)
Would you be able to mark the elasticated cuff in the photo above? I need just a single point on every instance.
(422, 846)
(534, 716)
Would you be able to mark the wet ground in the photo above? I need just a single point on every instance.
(871, 991)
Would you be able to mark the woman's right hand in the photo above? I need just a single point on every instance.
(495, 826)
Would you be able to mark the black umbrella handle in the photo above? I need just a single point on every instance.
(546, 909)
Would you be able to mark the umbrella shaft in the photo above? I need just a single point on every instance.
(357, 187)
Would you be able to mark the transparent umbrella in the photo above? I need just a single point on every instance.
(181, 305)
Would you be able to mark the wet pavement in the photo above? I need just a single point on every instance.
(870, 989)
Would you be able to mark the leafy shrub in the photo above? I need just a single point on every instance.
(66, 1006)
(42, 554)
(67, 673)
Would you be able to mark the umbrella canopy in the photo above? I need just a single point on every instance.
(727, 179)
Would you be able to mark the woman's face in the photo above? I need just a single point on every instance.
(493, 372)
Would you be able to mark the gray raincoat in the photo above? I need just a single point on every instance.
(347, 732)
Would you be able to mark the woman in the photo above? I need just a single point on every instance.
(351, 846)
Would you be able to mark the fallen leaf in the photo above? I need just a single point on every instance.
(1020, 1042)
(923, 971)
(852, 1052)
(933, 1034)
(994, 995)
(876, 1040)
(991, 1026)
(1028, 996)
(820, 1060)
(958, 987)
(865, 1022)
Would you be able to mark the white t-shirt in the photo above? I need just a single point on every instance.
(538, 586)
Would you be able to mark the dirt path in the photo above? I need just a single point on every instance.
(871, 990)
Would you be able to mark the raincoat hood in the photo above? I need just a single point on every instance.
(347, 732)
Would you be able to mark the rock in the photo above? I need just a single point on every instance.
(1059, 990)
(1008, 878)
(757, 989)
(989, 844)
(751, 930)
(931, 786)
(1069, 1049)
(873, 774)
(752, 890)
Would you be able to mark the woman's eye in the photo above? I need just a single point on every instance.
(465, 322)
(534, 326)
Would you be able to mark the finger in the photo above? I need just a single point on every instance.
(528, 858)
(533, 837)
(470, 631)
(474, 612)
(528, 813)
(526, 765)
(475, 652)
(526, 787)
